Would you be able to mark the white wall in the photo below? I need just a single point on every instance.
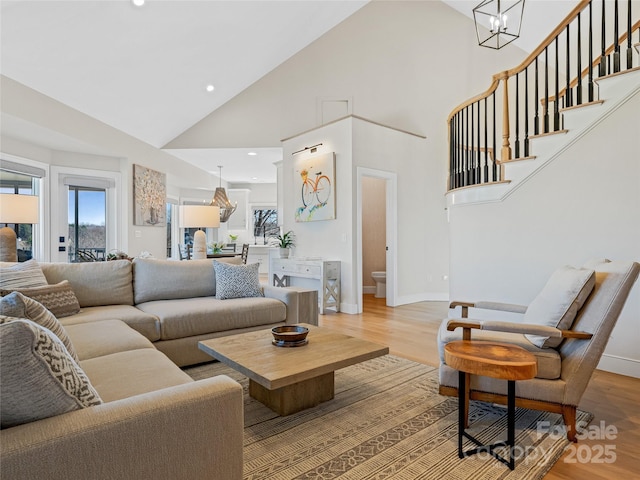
(583, 205)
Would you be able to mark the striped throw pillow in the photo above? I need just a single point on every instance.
(22, 275)
(59, 299)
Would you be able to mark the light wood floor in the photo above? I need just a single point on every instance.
(410, 331)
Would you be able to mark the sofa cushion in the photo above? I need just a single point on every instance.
(197, 316)
(95, 283)
(96, 339)
(124, 374)
(155, 279)
(39, 377)
(148, 325)
(237, 281)
(21, 275)
(17, 305)
(59, 299)
(559, 301)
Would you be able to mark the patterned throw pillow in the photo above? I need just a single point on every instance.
(237, 281)
(39, 377)
(17, 305)
(59, 299)
(22, 275)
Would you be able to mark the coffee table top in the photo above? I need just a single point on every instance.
(253, 355)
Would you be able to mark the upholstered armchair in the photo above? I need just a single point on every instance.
(566, 327)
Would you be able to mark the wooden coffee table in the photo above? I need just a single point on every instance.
(288, 380)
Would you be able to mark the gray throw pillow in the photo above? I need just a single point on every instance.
(237, 281)
(39, 377)
(59, 299)
(17, 305)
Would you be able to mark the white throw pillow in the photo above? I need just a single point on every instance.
(559, 301)
(237, 281)
(22, 275)
(39, 377)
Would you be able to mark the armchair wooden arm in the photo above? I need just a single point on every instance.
(512, 327)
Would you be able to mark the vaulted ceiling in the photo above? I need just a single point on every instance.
(145, 70)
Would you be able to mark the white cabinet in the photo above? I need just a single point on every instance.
(326, 272)
(259, 254)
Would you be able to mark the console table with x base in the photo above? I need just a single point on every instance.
(327, 272)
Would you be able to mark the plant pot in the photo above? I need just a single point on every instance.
(284, 253)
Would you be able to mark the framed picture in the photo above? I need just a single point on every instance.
(315, 192)
(149, 196)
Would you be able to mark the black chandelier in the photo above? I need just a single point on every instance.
(498, 22)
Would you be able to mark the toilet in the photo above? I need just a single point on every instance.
(381, 284)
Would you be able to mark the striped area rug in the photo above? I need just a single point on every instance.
(387, 421)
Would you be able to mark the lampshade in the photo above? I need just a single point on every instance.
(498, 22)
(199, 216)
(18, 208)
(15, 209)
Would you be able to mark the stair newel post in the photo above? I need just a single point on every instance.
(590, 57)
(616, 37)
(505, 153)
(603, 56)
(629, 42)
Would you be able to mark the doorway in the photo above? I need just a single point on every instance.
(387, 182)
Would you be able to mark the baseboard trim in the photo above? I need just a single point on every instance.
(620, 365)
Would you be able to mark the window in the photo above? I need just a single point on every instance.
(87, 224)
(265, 224)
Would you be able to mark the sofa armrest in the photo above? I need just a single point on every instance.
(194, 430)
(287, 296)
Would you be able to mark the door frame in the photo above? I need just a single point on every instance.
(391, 188)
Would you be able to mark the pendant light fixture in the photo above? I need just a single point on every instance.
(502, 19)
(221, 200)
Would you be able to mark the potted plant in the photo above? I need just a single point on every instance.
(284, 241)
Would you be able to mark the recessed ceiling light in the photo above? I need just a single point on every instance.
(138, 3)
(210, 88)
(254, 178)
(253, 154)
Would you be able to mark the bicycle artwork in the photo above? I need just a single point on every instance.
(315, 188)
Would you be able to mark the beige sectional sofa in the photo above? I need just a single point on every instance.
(138, 321)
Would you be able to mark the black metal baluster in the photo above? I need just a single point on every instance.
(494, 166)
(616, 39)
(590, 82)
(536, 102)
(556, 98)
(526, 111)
(546, 90)
(466, 147)
(567, 94)
(479, 153)
(486, 143)
(517, 117)
(579, 67)
(629, 47)
(603, 58)
(472, 166)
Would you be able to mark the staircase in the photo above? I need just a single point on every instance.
(541, 113)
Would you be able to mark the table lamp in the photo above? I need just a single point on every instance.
(199, 216)
(15, 209)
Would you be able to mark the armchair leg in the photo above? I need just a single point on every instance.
(569, 417)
